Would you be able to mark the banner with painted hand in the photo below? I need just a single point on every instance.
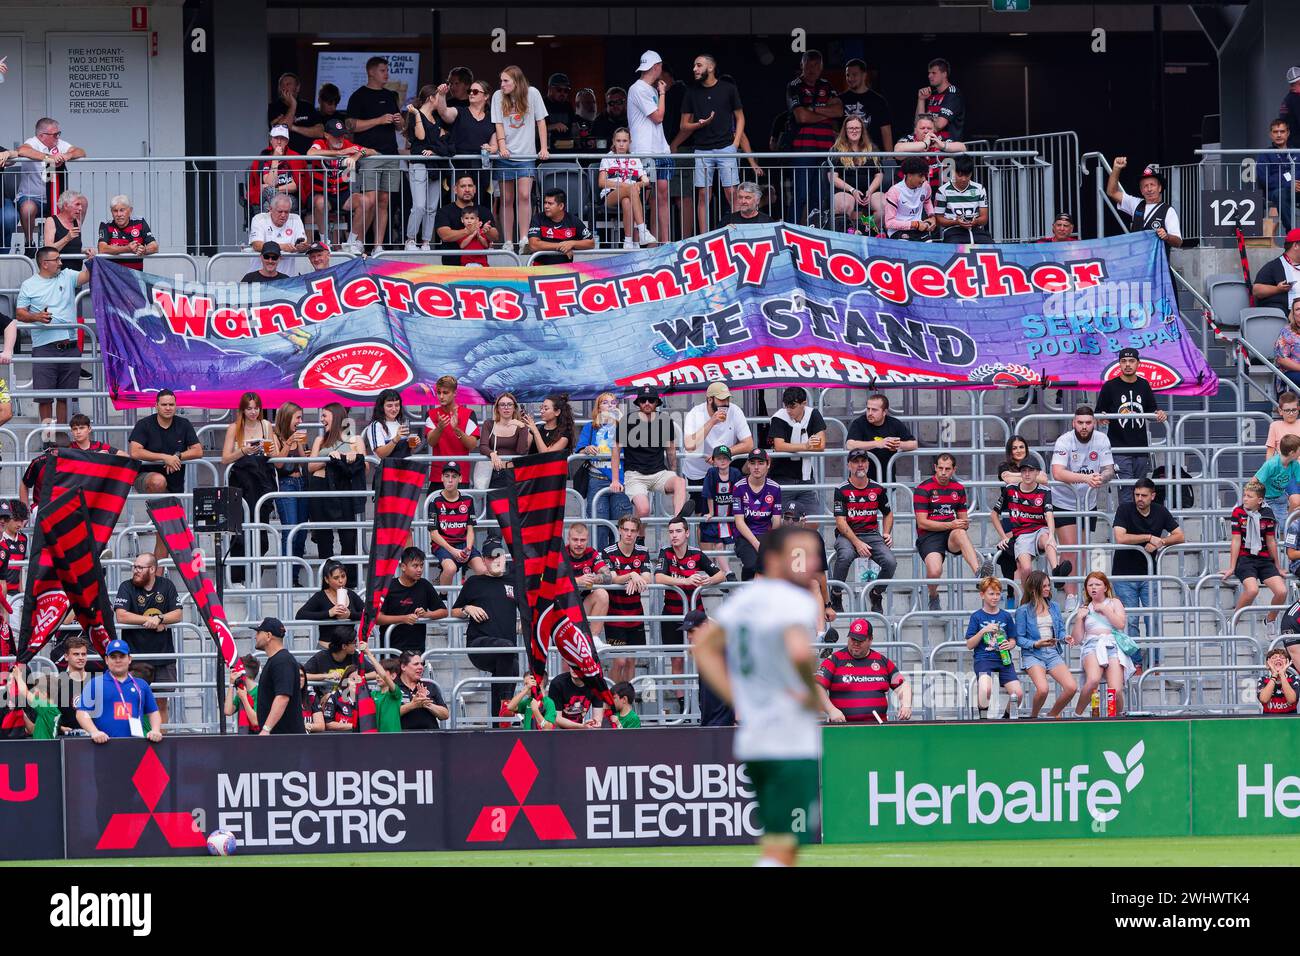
(755, 305)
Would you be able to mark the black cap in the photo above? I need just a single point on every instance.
(335, 126)
(450, 466)
(559, 79)
(494, 546)
(759, 454)
(693, 619)
(271, 248)
(794, 511)
(1129, 353)
(317, 246)
(272, 626)
(859, 454)
(647, 393)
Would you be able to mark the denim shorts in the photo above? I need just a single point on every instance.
(723, 160)
(507, 170)
(442, 554)
(1006, 672)
(1044, 657)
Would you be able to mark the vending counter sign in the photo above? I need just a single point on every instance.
(991, 781)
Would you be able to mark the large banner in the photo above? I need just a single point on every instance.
(755, 305)
(31, 800)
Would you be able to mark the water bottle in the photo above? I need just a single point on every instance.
(484, 156)
(868, 570)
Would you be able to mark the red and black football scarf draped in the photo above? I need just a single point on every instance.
(530, 511)
(105, 480)
(400, 485)
(168, 516)
(63, 534)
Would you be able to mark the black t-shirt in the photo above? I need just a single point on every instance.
(304, 115)
(279, 678)
(1158, 522)
(643, 444)
(862, 430)
(1120, 399)
(790, 470)
(1272, 273)
(165, 441)
(559, 113)
(449, 216)
(673, 100)
(495, 596)
(572, 701)
(323, 662)
(872, 109)
(569, 227)
(257, 276)
(721, 99)
(419, 718)
(736, 219)
(368, 104)
(468, 135)
(951, 105)
(401, 600)
(69, 690)
(134, 600)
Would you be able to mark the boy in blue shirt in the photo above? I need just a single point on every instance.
(719, 484)
(1280, 476)
(115, 704)
(991, 634)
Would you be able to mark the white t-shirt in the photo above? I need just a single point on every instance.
(764, 682)
(1127, 204)
(30, 182)
(1084, 458)
(264, 230)
(734, 430)
(521, 131)
(647, 135)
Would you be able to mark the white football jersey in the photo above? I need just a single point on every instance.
(765, 685)
(1084, 458)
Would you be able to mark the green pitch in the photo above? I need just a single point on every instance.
(1163, 851)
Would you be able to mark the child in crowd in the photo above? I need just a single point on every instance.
(1278, 688)
(474, 238)
(991, 634)
(720, 482)
(1253, 557)
(624, 697)
(1280, 476)
(243, 700)
(536, 714)
(452, 532)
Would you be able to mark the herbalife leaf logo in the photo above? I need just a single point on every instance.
(1130, 768)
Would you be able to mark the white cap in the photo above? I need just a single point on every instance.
(279, 131)
(648, 59)
(1293, 74)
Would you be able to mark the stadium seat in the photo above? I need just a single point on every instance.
(1228, 296)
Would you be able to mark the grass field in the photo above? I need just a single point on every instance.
(1155, 851)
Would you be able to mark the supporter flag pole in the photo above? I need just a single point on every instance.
(168, 517)
(400, 483)
(530, 511)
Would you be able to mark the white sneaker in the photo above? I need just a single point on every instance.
(411, 246)
(644, 235)
(630, 244)
(1071, 604)
(353, 245)
(424, 247)
(376, 250)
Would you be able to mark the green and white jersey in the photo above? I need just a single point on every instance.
(764, 683)
(962, 204)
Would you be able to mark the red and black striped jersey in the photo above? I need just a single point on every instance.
(1026, 511)
(452, 519)
(859, 687)
(1267, 525)
(590, 562)
(862, 508)
(16, 549)
(1277, 704)
(939, 502)
(694, 561)
(621, 603)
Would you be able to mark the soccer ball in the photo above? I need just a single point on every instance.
(221, 843)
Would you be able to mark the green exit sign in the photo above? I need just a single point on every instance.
(1010, 6)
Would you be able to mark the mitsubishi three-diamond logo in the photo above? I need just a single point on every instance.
(547, 820)
(124, 830)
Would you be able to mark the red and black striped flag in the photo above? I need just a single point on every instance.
(63, 535)
(168, 516)
(400, 485)
(530, 511)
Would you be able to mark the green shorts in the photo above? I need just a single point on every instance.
(787, 797)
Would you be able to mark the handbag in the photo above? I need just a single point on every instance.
(580, 475)
(1124, 641)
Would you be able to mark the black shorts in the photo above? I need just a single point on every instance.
(1258, 566)
(1071, 520)
(335, 199)
(670, 633)
(933, 542)
(625, 636)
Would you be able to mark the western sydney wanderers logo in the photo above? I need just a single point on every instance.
(358, 368)
(51, 608)
(547, 820)
(124, 830)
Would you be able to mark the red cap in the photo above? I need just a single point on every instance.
(860, 628)
(1293, 236)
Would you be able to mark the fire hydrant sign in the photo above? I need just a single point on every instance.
(98, 87)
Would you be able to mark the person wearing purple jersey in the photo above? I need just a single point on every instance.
(757, 503)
